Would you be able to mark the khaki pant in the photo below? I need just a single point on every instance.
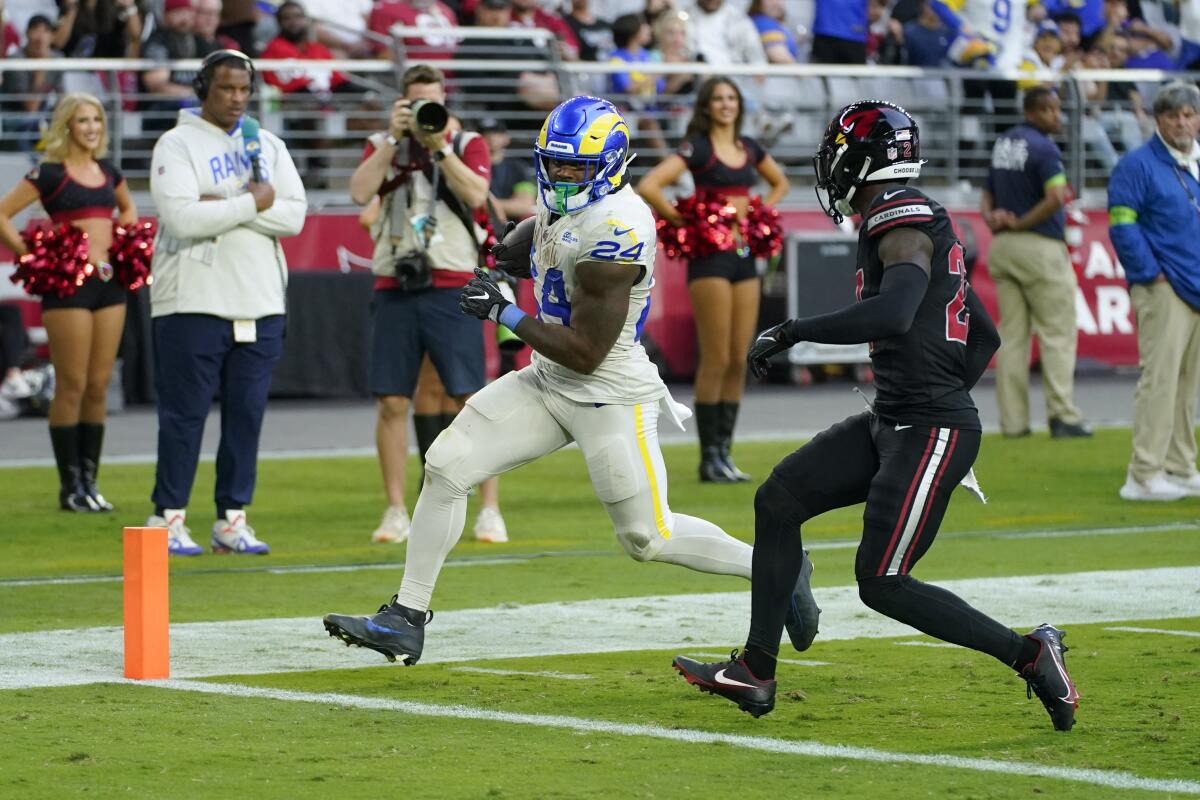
(1164, 405)
(1035, 285)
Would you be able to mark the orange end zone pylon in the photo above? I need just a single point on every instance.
(147, 617)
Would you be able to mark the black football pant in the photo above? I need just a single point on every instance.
(905, 474)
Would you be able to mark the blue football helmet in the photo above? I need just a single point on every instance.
(588, 131)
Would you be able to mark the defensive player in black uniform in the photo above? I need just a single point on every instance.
(930, 339)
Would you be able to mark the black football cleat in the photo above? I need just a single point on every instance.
(1047, 677)
(803, 611)
(389, 632)
(732, 680)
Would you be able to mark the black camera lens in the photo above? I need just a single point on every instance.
(430, 117)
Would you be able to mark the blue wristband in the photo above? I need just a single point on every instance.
(511, 317)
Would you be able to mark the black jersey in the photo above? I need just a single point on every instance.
(712, 175)
(920, 375)
(65, 199)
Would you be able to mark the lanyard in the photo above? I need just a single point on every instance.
(1183, 182)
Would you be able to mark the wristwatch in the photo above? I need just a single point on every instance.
(392, 140)
(438, 155)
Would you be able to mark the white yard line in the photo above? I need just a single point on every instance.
(680, 623)
(1193, 634)
(926, 644)
(562, 676)
(1096, 777)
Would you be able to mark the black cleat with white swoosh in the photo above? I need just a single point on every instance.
(732, 680)
(1046, 676)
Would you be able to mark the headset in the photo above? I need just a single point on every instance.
(212, 61)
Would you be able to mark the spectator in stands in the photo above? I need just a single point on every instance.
(1024, 205)
(432, 16)
(78, 186)
(1154, 224)
(840, 32)
(883, 34)
(926, 40)
(1070, 32)
(218, 299)
(98, 28)
(724, 287)
(13, 344)
(172, 89)
(340, 26)
(307, 91)
(513, 183)
(419, 278)
(671, 47)
(527, 14)
(31, 94)
(1087, 15)
(239, 18)
(721, 34)
(207, 27)
(778, 41)
(594, 35)
(636, 91)
(1046, 54)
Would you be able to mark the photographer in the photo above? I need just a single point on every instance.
(429, 180)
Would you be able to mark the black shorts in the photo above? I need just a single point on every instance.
(726, 264)
(407, 325)
(93, 295)
(904, 473)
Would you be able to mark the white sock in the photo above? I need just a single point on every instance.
(700, 545)
(437, 524)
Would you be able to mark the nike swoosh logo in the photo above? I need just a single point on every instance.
(890, 195)
(767, 337)
(483, 296)
(903, 427)
(721, 679)
(621, 231)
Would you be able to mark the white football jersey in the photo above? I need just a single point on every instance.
(619, 228)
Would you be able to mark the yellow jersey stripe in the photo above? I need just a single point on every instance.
(639, 422)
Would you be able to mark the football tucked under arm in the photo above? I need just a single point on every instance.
(514, 249)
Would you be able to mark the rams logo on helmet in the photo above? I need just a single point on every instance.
(586, 132)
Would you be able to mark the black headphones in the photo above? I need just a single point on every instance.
(213, 60)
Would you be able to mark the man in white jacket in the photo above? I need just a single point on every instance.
(225, 193)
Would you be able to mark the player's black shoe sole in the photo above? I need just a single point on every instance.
(1046, 676)
(388, 632)
(803, 612)
(731, 680)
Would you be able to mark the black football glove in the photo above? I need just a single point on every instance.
(769, 342)
(482, 297)
(512, 250)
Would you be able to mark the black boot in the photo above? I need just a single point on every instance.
(708, 420)
(91, 440)
(728, 419)
(65, 441)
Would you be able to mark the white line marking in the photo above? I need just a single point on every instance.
(562, 676)
(1097, 777)
(679, 623)
(1195, 634)
(795, 662)
(929, 644)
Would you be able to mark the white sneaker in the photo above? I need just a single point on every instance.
(1190, 484)
(489, 526)
(233, 535)
(9, 408)
(1156, 487)
(179, 536)
(394, 527)
(15, 387)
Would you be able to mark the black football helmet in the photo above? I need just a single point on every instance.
(870, 141)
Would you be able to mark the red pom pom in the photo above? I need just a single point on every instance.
(56, 264)
(762, 229)
(708, 227)
(131, 252)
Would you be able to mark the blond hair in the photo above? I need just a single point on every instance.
(56, 142)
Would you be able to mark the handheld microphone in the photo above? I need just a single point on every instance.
(253, 146)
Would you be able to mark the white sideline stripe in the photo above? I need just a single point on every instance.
(520, 558)
(562, 676)
(927, 644)
(795, 662)
(1195, 634)
(1096, 777)
(678, 623)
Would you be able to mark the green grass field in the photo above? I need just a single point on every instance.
(489, 714)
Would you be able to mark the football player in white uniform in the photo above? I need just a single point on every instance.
(591, 382)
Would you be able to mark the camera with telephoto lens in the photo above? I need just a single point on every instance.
(430, 116)
(414, 272)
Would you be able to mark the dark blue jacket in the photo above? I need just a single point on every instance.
(1154, 219)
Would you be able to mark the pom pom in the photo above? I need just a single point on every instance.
(131, 252)
(708, 227)
(56, 264)
(762, 229)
